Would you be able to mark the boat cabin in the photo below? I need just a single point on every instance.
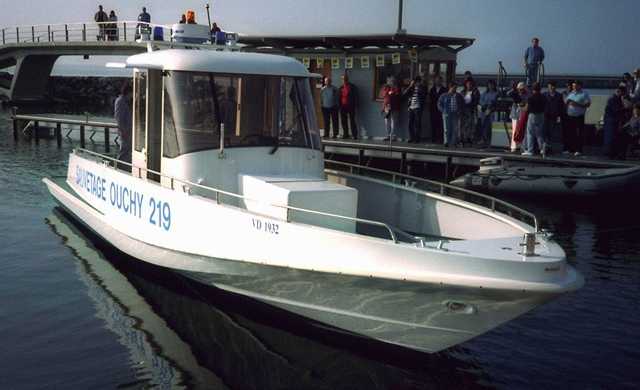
(243, 123)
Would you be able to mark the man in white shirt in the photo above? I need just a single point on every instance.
(578, 101)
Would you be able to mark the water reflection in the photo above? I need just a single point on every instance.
(180, 333)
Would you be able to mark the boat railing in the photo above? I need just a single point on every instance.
(126, 30)
(187, 186)
(493, 205)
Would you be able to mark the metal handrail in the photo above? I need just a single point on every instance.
(67, 121)
(90, 31)
(442, 189)
(219, 192)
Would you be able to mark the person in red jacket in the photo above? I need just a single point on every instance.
(348, 95)
(391, 107)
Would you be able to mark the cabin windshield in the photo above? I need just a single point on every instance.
(254, 111)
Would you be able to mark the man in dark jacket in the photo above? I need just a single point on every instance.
(554, 110)
(348, 96)
(437, 90)
(101, 17)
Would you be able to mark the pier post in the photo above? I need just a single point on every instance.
(14, 111)
(36, 131)
(124, 30)
(403, 162)
(49, 32)
(3, 40)
(447, 170)
(33, 34)
(17, 35)
(58, 132)
(66, 33)
(106, 140)
(84, 32)
(82, 142)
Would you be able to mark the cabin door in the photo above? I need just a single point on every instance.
(147, 103)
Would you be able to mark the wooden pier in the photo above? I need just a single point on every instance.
(365, 152)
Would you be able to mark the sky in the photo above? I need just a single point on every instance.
(588, 37)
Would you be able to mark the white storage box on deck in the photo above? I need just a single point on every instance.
(305, 193)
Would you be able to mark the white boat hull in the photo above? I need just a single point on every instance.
(423, 298)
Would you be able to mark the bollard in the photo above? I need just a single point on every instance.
(58, 132)
(82, 143)
(529, 244)
(36, 131)
(106, 140)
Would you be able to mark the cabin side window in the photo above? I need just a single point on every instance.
(140, 109)
(252, 110)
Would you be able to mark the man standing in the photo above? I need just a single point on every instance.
(329, 104)
(435, 116)
(122, 114)
(535, 107)
(417, 97)
(391, 107)
(101, 17)
(554, 110)
(533, 57)
(577, 103)
(450, 105)
(348, 100)
(143, 27)
(613, 119)
(635, 92)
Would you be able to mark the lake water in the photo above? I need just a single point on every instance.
(76, 313)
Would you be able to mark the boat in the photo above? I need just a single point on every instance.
(227, 185)
(496, 176)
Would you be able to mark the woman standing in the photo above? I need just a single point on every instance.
(487, 107)
(112, 31)
(391, 107)
(471, 97)
(519, 96)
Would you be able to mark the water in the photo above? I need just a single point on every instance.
(76, 313)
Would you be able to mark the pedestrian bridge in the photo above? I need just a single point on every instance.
(33, 50)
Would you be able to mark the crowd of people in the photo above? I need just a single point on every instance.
(463, 116)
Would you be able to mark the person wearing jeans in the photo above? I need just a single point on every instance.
(329, 105)
(536, 104)
(450, 105)
(578, 101)
(487, 107)
(417, 97)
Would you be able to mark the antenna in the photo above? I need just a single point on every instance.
(208, 15)
(400, 30)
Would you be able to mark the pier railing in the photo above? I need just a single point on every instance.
(495, 205)
(126, 30)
